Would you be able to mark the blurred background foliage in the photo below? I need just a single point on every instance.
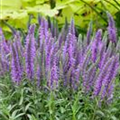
(17, 12)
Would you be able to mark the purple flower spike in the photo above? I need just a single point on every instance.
(4, 63)
(102, 55)
(89, 33)
(71, 53)
(71, 34)
(72, 27)
(95, 44)
(53, 83)
(1, 32)
(4, 54)
(65, 51)
(62, 36)
(43, 30)
(30, 53)
(88, 78)
(111, 29)
(16, 66)
(18, 44)
(4, 43)
(77, 77)
(102, 75)
(112, 72)
(49, 57)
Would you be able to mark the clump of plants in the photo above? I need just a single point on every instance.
(57, 75)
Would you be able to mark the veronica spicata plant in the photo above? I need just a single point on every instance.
(55, 60)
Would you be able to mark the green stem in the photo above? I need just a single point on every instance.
(34, 95)
(10, 27)
(74, 117)
(51, 106)
(93, 117)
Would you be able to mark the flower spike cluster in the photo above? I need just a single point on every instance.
(55, 59)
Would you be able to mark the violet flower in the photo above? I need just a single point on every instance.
(53, 81)
(111, 29)
(4, 54)
(88, 78)
(89, 33)
(72, 27)
(62, 36)
(19, 44)
(16, 66)
(102, 75)
(95, 45)
(112, 71)
(30, 53)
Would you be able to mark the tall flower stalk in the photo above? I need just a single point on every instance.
(53, 81)
(16, 65)
(4, 54)
(111, 29)
(30, 53)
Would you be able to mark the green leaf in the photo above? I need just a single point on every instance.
(15, 4)
(19, 115)
(4, 116)
(113, 118)
(27, 106)
(22, 97)
(11, 107)
(27, 0)
(80, 116)
(31, 117)
(40, 1)
(43, 9)
(114, 110)
(14, 113)
(62, 110)
(100, 113)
